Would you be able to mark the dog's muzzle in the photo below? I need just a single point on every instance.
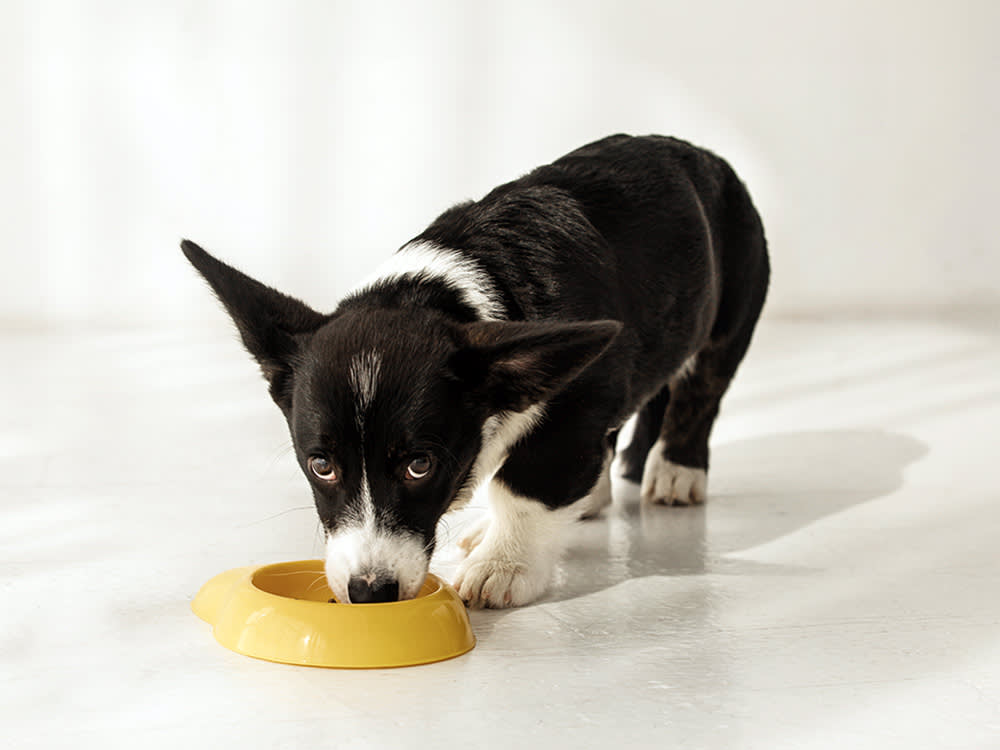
(367, 564)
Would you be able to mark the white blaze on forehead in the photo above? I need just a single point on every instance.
(365, 545)
(461, 273)
(362, 374)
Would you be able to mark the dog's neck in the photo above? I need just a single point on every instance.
(424, 275)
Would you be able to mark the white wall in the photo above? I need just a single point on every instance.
(304, 140)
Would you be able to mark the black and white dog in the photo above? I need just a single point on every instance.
(508, 343)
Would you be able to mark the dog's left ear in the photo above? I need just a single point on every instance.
(269, 322)
(516, 365)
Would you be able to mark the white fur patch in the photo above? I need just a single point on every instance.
(667, 483)
(686, 368)
(365, 548)
(362, 374)
(501, 432)
(513, 561)
(424, 259)
(599, 496)
(474, 535)
(367, 518)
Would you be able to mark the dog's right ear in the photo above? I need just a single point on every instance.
(269, 322)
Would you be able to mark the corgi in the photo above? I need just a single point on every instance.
(507, 344)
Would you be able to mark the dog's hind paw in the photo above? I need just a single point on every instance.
(667, 483)
(497, 583)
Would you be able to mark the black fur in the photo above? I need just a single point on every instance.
(652, 232)
(615, 264)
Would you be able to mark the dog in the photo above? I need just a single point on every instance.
(508, 343)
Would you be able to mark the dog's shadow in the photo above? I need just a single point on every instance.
(759, 490)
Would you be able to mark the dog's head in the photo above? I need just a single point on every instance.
(388, 411)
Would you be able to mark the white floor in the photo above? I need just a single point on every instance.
(840, 590)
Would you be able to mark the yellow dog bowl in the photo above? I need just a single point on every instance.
(282, 613)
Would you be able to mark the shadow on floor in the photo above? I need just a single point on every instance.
(759, 490)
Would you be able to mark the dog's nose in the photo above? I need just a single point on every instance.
(362, 591)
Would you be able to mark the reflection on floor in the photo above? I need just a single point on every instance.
(838, 590)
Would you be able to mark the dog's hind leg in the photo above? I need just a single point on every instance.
(648, 422)
(676, 468)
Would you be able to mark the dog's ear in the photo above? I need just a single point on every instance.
(516, 365)
(268, 321)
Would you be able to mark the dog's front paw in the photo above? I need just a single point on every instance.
(667, 483)
(497, 582)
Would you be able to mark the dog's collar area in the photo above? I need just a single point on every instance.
(424, 262)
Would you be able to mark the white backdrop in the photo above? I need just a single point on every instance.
(305, 140)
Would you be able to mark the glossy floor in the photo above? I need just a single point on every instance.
(840, 589)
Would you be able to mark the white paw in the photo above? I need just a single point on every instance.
(476, 533)
(498, 582)
(600, 496)
(667, 483)
(514, 553)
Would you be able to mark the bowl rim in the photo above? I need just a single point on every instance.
(300, 566)
(231, 602)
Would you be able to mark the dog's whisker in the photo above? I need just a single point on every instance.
(297, 572)
(445, 535)
(276, 515)
(283, 450)
(319, 537)
(319, 582)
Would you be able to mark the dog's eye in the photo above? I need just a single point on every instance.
(419, 467)
(323, 468)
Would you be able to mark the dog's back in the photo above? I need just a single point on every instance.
(650, 231)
